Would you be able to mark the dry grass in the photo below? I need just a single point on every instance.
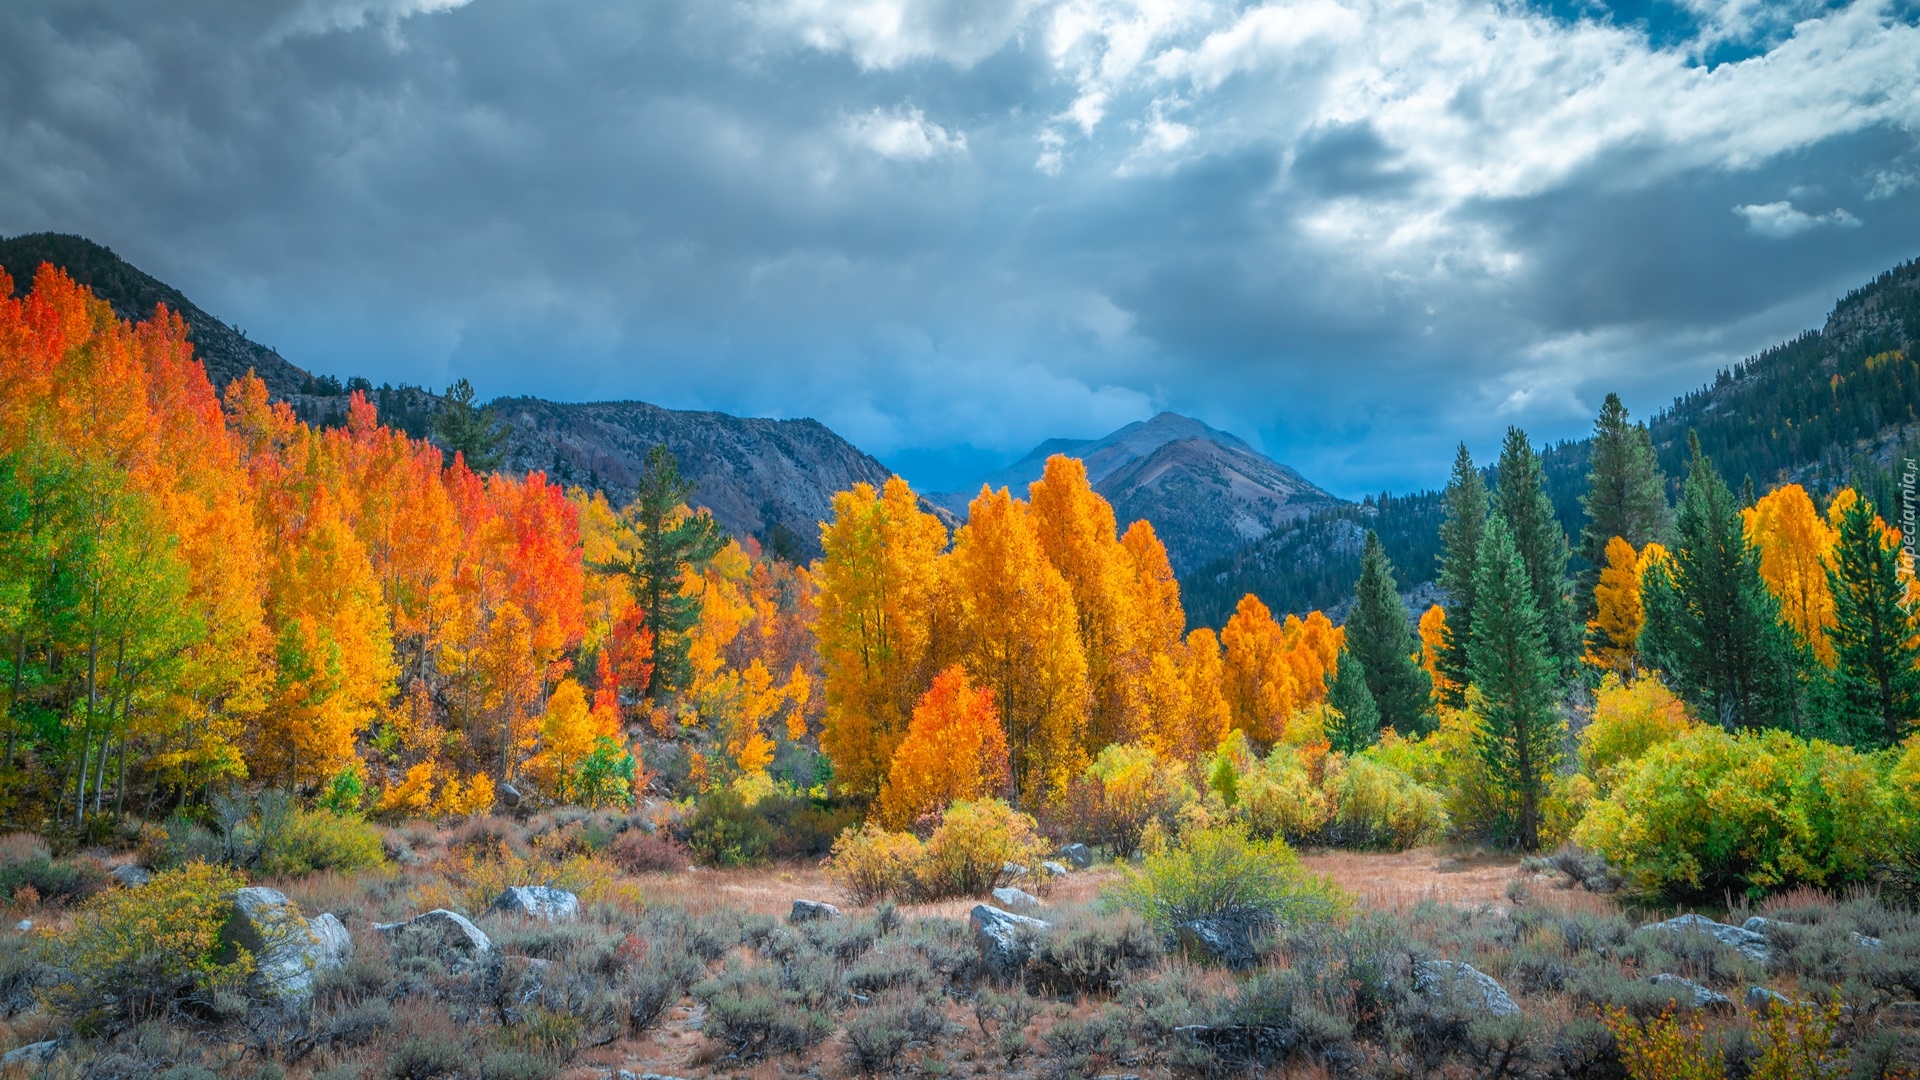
(1399, 880)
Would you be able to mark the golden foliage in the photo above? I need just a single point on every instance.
(955, 751)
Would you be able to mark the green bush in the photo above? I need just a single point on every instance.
(1278, 799)
(323, 840)
(969, 850)
(725, 830)
(1708, 812)
(139, 952)
(60, 882)
(1382, 807)
(1123, 797)
(1221, 871)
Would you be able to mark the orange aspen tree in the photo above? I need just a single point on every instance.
(1433, 637)
(1613, 634)
(1258, 677)
(1795, 549)
(954, 751)
(1077, 533)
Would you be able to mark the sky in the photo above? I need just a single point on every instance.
(1353, 232)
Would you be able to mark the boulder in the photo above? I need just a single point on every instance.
(30, 1054)
(509, 796)
(1862, 941)
(1054, 868)
(335, 944)
(1690, 993)
(538, 902)
(1748, 943)
(1222, 939)
(1013, 871)
(442, 933)
(1005, 939)
(130, 875)
(286, 950)
(23, 925)
(1078, 856)
(1760, 999)
(1015, 898)
(1758, 925)
(1462, 984)
(811, 911)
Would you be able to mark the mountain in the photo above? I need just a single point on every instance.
(769, 479)
(1206, 492)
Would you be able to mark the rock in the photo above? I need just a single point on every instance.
(1454, 981)
(30, 1054)
(1013, 871)
(1747, 943)
(811, 910)
(1054, 868)
(1078, 856)
(23, 925)
(1758, 925)
(622, 1074)
(287, 953)
(509, 795)
(1691, 993)
(538, 902)
(1222, 939)
(335, 944)
(1760, 999)
(1004, 938)
(1015, 898)
(442, 932)
(1862, 941)
(130, 875)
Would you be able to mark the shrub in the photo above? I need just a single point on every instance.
(1089, 954)
(1277, 798)
(1124, 794)
(63, 882)
(968, 852)
(638, 851)
(1223, 872)
(1380, 807)
(1629, 718)
(1709, 811)
(134, 952)
(426, 1058)
(765, 1010)
(725, 830)
(323, 840)
(803, 827)
(1667, 1048)
(605, 776)
(873, 864)
(1797, 1042)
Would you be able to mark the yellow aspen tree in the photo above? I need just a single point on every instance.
(879, 585)
(1795, 548)
(567, 733)
(1258, 678)
(955, 750)
(1022, 642)
(1613, 634)
(1433, 638)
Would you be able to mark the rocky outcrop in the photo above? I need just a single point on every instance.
(1016, 899)
(1078, 856)
(1005, 939)
(1463, 986)
(1760, 999)
(130, 875)
(1221, 939)
(1690, 993)
(287, 951)
(538, 902)
(444, 935)
(812, 911)
(1746, 942)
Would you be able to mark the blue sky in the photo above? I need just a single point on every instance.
(1353, 232)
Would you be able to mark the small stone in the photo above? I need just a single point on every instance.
(1012, 871)
(1760, 999)
(1014, 898)
(538, 902)
(1003, 938)
(130, 875)
(1758, 925)
(1220, 938)
(1862, 941)
(31, 1054)
(1078, 856)
(1054, 868)
(447, 933)
(23, 925)
(811, 911)
(1691, 993)
(1460, 982)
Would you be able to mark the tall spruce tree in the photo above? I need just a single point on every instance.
(1355, 723)
(666, 545)
(1520, 496)
(461, 427)
(1514, 684)
(1460, 535)
(1379, 632)
(1626, 494)
(1712, 625)
(1874, 635)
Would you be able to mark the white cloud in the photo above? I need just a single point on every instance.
(889, 33)
(904, 134)
(1779, 220)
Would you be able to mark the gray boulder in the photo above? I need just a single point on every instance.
(1004, 939)
(1690, 993)
(441, 933)
(1462, 984)
(287, 952)
(1078, 856)
(509, 796)
(1054, 868)
(1748, 943)
(30, 1054)
(1759, 925)
(1760, 999)
(1014, 898)
(24, 925)
(538, 902)
(1862, 941)
(130, 875)
(1222, 939)
(1013, 871)
(812, 911)
(334, 943)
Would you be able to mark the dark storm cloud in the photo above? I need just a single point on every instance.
(1356, 231)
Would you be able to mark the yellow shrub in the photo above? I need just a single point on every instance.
(1629, 718)
(1277, 797)
(967, 853)
(323, 840)
(1382, 807)
(412, 796)
(135, 952)
(873, 864)
(1667, 1048)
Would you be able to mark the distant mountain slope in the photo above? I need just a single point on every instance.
(770, 479)
(1206, 492)
(226, 352)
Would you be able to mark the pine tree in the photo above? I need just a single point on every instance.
(1460, 536)
(1378, 632)
(1626, 494)
(1874, 632)
(1520, 496)
(1354, 723)
(667, 543)
(1514, 675)
(1712, 625)
(474, 433)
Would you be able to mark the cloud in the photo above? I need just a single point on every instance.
(1779, 220)
(904, 134)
